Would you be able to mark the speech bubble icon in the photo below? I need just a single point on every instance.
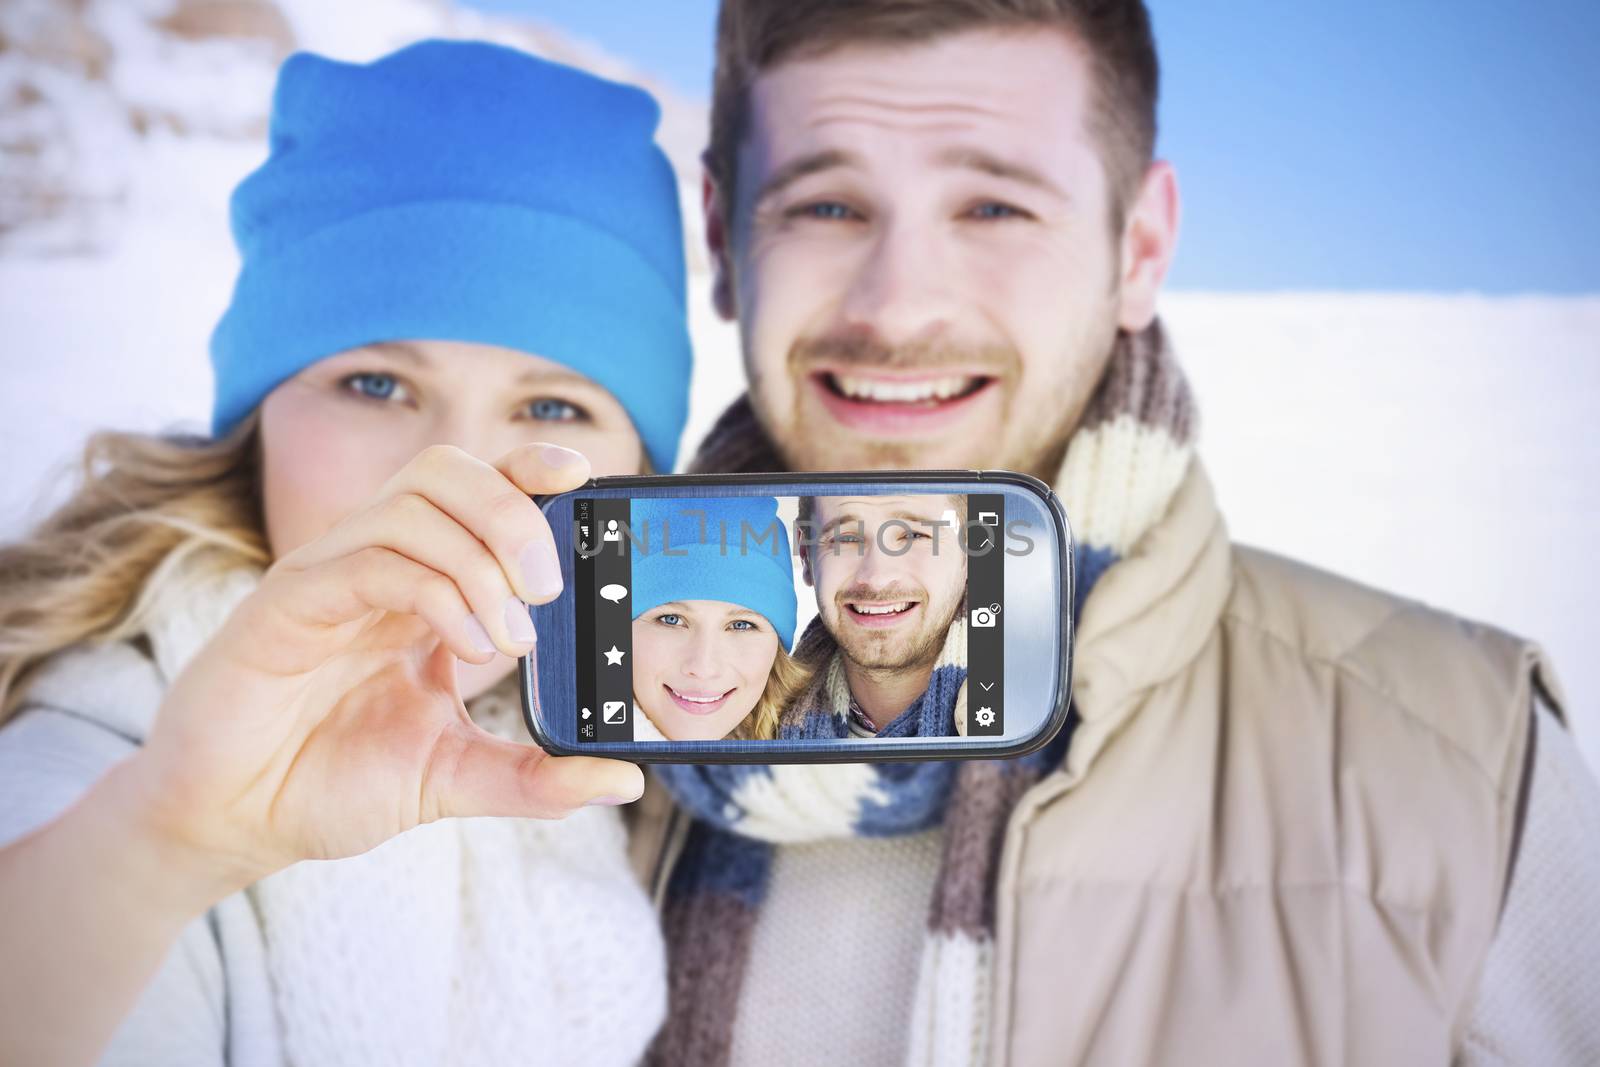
(613, 592)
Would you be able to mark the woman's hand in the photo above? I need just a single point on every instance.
(324, 718)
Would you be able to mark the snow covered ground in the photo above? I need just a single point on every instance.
(1443, 446)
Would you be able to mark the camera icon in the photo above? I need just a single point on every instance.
(985, 617)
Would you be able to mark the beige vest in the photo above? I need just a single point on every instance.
(1283, 830)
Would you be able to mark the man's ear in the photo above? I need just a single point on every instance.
(1149, 241)
(805, 567)
(717, 247)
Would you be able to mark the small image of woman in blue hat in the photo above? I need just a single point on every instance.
(461, 285)
(713, 618)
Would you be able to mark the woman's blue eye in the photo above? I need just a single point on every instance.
(743, 624)
(550, 409)
(668, 619)
(996, 211)
(832, 210)
(374, 386)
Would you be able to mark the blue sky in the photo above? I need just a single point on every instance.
(1363, 145)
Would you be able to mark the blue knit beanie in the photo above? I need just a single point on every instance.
(461, 191)
(737, 551)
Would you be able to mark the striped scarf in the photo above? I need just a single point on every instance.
(1122, 466)
(824, 710)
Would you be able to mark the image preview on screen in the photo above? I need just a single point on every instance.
(710, 617)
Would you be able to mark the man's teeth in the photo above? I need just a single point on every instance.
(697, 698)
(881, 609)
(892, 392)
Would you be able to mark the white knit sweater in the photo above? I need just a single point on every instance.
(463, 941)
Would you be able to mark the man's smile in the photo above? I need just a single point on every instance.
(874, 614)
(897, 391)
(913, 405)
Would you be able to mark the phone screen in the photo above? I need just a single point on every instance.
(856, 616)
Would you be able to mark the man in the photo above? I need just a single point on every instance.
(1298, 820)
(890, 577)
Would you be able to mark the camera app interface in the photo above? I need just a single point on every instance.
(790, 618)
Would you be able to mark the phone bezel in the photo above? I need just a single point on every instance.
(556, 622)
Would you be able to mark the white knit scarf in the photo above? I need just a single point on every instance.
(462, 941)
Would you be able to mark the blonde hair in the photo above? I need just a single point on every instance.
(785, 682)
(145, 504)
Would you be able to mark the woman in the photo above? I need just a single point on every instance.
(713, 618)
(226, 656)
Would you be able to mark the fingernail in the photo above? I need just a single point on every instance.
(610, 800)
(518, 624)
(556, 456)
(541, 569)
(477, 635)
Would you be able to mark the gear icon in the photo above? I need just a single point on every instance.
(985, 716)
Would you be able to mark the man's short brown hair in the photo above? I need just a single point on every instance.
(753, 35)
(806, 531)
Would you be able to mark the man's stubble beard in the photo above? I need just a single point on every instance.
(922, 652)
(1040, 454)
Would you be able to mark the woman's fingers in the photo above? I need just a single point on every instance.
(472, 525)
(342, 592)
(493, 503)
(541, 469)
(416, 528)
(473, 772)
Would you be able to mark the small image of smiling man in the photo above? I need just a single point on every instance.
(890, 578)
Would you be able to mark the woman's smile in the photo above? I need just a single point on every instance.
(698, 703)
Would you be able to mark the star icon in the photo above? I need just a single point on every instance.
(613, 656)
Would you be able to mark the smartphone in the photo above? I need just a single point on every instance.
(795, 618)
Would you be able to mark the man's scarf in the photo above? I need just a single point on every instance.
(822, 711)
(1122, 466)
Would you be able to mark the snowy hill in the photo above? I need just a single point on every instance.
(1441, 446)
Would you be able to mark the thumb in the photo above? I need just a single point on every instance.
(473, 772)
